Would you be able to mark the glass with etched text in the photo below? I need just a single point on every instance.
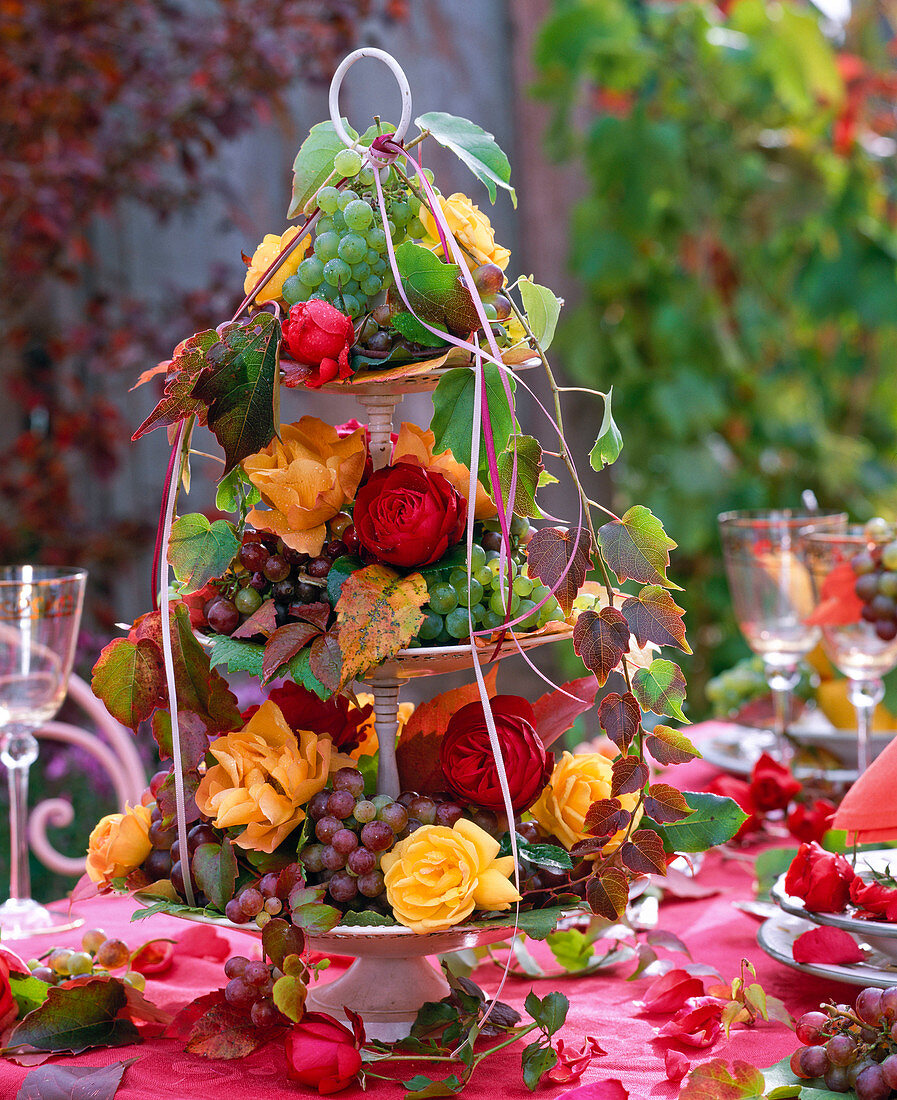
(40, 611)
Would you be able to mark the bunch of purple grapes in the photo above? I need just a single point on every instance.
(353, 832)
(250, 985)
(875, 569)
(852, 1048)
(164, 861)
(266, 898)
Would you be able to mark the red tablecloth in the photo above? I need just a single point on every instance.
(601, 1005)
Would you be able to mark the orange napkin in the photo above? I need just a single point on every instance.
(869, 809)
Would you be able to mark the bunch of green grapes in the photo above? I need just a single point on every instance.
(746, 681)
(349, 265)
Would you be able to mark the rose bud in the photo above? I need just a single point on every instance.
(319, 336)
(321, 1053)
(821, 879)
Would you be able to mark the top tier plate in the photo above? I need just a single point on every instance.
(419, 377)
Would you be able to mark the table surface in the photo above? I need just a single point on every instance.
(601, 1005)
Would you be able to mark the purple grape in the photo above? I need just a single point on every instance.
(889, 1070)
(835, 1078)
(447, 813)
(238, 993)
(268, 884)
(327, 828)
(157, 865)
(162, 838)
(341, 804)
(234, 912)
(871, 1085)
(349, 779)
(311, 857)
(255, 973)
(332, 859)
(317, 807)
(251, 901)
(235, 966)
(423, 808)
(406, 797)
(273, 906)
(201, 834)
(344, 841)
(810, 1027)
(868, 1006)
(343, 887)
(814, 1061)
(371, 885)
(222, 615)
(265, 1014)
(276, 568)
(889, 1004)
(377, 836)
(840, 1050)
(361, 861)
(395, 816)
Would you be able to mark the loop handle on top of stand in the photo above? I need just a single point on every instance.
(397, 71)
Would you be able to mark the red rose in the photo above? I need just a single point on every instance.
(821, 879)
(407, 516)
(808, 823)
(772, 785)
(875, 899)
(469, 765)
(322, 1053)
(318, 336)
(334, 717)
(740, 792)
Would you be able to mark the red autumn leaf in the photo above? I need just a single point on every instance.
(141, 1010)
(669, 746)
(676, 1064)
(184, 368)
(227, 1032)
(261, 621)
(664, 803)
(556, 712)
(318, 614)
(601, 638)
(716, 1080)
(620, 717)
(194, 736)
(73, 1082)
(284, 644)
(637, 548)
(839, 605)
(697, 1024)
(182, 1024)
(608, 893)
(325, 660)
(129, 678)
(670, 991)
(549, 553)
(417, 755)
(826, 945)
(643, 853)
(629, 776)
(654, 616)
(604, 817)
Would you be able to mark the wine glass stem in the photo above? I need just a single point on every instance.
(782, 681)
(18, 752)
(865, 696)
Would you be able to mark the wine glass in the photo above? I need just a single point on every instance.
(773, 595)
(40, 609)
(856, 613)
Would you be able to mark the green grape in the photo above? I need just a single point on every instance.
(311, 271)
(444, 639)
(528, 608)
(358, 215)
(497, 603)
(328, 199)
(477, 557)
(416, 229)
(339, 222)
(413, 202)
(415, 643)
(470, 595)
(539, 592)
(519, 526)
(431, 627)
(325, 225)
(477, 611)
(485, 576)
(400, 212)
(371, 257)
(392, 229)
(247, 601)
(428, 172)
(347, 162)
(80, 963)
(491, 555)
(337, 271)
(352, 248)
(381, 267)
(490, 311)
(366, 176)
(557, 616)
(326, 246)
(361, 271)
(443, 599)
(523, 586)
(376, 239)
(456, 623)
(492, 620)
(345, 197)
(510, 566)
(351, 305)
(351, 287)
(371, 285)
(458, 579)
(294, 290)
(327, 292)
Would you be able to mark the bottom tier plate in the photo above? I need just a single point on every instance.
(776, 937)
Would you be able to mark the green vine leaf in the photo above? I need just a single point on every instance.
(542, 308)
(434, 289)
(609, 442)
(129, 678)
(660, 688)
(214, 867)
(76, 1017)
(637, 548)
(409, 326)
(453, 412)
(669, 746)
(529, 471)
(200, 550)
(474, 146)
(713, 821)
(314, 162)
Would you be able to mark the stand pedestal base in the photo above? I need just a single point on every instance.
(386, 993)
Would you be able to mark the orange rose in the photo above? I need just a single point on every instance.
(264, 776)
(414, 444)
(305, 478)
(118, 844)
(470, 227)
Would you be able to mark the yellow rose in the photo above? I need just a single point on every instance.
(470, 227)
(368, 744)
(265, 255)
(305, 478)
(119, 844)
(436, 877)
(264, 776)
(575, 783)
(414, 444)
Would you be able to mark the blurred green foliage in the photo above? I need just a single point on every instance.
(737, 254)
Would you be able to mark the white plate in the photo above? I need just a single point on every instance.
(736, 749)
(776, 937)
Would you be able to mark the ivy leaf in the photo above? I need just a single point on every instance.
(262, 621)
(716, 1080)
(474, 146)
(605, 817)
(601, 638)
(129, 678)
(378, 613)
(194, 737)
(289, 995)
(28, 992)
(73, 1082)
(434, 289)
(279, 939)
(620, 717)
(537, 1060)
(660, 688)
(664, 803)
(548, 553)
(644, 853)
(308, 911)
(314, 163)
(300, 671)
(76, 1017)
(409, 326)
(178, 400)
(609, 442)
(542, 308)
(200, 550)
(239, 387)
(572, 948)
(529, 470)
(654, 616)
(550, 1012)
(629, 774)
(453, 412)
(341, 568)
(669, 746)
(714, 820)
(284, 644)
(608, 894)
(214, 867)
(637, 548)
